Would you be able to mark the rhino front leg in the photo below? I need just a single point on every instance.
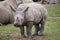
(29, 27)
(22, 31)
(1, 24)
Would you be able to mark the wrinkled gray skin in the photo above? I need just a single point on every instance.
(6, 12)
(23, 1)
(29, 15)
(27, 1)
(19, 1)
(12, 3)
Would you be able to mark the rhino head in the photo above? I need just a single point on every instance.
(19, 17)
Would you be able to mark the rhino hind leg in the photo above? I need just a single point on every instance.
(37, 29)
(28, 29)
(42, 28)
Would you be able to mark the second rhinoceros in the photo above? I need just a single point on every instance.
(6, 13)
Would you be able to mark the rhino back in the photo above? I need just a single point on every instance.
(13, 3)
(35, 12)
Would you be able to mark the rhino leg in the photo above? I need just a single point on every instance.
(28, 28)
(37, 28)
(1, 24)
(22, 31)
(42, 27)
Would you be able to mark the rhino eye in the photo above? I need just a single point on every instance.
(17, 18)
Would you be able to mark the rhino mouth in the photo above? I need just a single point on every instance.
(16, 25)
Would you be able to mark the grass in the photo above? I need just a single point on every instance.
(54, 10)
(9, 29)
(52, 27)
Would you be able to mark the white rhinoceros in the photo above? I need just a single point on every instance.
(31, 14)
(7, 10)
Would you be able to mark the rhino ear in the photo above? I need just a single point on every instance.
(12, 8)
(26, 9)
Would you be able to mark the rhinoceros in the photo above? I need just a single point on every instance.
(28, 15)
(6, 13)
(13, 3)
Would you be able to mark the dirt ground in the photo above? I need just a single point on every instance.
(10, 36)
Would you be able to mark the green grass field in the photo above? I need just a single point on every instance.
(52, 27)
